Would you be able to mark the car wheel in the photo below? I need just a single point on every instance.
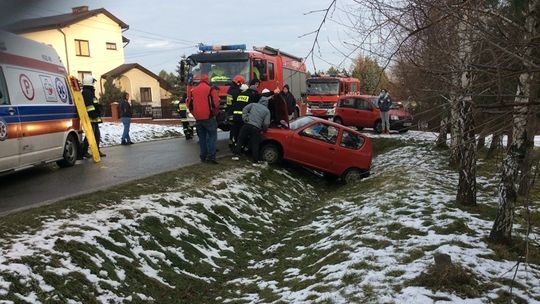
(70, 152)
(378, 127)
(338, 120)
(270, 153)
(353, 174)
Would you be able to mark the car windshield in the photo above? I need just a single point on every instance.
(300, 122)
(323, 88)
(220, 73)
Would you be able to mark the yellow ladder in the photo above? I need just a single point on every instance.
(83, 117)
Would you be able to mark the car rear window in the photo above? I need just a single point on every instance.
(351, 140)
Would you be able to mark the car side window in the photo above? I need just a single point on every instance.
(351, 140)
(362, 105)
(4, 100)
(322, 132)
(347, 103)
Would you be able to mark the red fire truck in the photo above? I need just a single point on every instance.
(274, 68)
(324, 91)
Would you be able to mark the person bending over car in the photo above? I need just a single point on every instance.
(256, 118)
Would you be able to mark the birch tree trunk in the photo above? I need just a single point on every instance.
(502, 227)
(455, 136)
(526, 166)
(466, 193)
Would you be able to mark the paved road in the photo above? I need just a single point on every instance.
(45, 185)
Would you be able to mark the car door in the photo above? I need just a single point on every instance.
(9, 129)
(346, 111)
(315, 145)
(363, 113)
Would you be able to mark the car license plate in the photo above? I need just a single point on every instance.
(407, 124)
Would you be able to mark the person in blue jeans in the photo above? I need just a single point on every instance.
(384, 103)
(207, 130)
(203, 103)
(125, 116)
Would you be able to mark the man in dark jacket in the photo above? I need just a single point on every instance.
(248, 95)
(384, 103)
(232, 94)
(257, 119)
(290, 100)
(279, 116)
(204, 105)
(94, 113)
(125, 116)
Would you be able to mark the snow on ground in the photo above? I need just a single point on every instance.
(380, 238)
(362, 244)
(432, 136)
(111, 133)
(194, 213)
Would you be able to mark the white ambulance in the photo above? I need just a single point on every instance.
(38, 120)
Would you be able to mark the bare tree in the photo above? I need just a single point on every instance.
(520, 147)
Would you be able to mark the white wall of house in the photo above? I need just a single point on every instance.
(98, 31)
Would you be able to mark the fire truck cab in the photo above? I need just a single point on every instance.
(323, 92)
(271, 66)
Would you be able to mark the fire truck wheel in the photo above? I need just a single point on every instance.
(70, 152)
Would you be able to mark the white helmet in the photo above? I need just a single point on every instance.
(244, 87)
(88, 80)
(265, 91)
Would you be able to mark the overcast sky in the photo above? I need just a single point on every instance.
(162, 31)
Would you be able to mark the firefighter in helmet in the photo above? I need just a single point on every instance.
(94, 112)
(232, 93)
(183, 111)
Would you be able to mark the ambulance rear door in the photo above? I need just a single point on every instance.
(10, 128)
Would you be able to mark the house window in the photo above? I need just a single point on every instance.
(111, 46)
(146, 95)
(82, 48)
(82, 74)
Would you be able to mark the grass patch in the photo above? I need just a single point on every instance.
(412, 255)
(457, 226)
(455, 278)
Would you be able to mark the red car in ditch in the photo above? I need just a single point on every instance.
(362, 112)
(321, 145)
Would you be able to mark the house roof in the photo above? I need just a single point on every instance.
(59, 21)
(122, 69)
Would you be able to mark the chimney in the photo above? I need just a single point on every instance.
(79, 9)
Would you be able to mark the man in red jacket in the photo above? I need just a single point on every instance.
(204, 105)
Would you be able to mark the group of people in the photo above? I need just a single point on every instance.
(248, 112)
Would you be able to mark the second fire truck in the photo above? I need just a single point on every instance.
(324, 91)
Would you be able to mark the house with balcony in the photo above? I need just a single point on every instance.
(91, 42)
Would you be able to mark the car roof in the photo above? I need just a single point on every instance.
(358, 96)
(336, 125)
